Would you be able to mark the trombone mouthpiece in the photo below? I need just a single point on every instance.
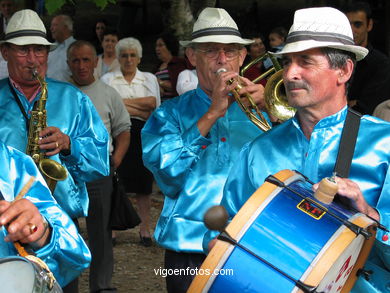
(220, 71)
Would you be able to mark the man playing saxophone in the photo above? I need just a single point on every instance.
(75, 137)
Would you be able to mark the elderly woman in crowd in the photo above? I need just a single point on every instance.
(107, 61)
(141, 95)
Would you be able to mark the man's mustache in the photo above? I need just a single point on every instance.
(290, 85)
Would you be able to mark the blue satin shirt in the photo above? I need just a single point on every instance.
(286, 147)
(67, 255)
(191, 169)
(74, 114)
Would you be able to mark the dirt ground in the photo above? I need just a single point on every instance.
(134, 263)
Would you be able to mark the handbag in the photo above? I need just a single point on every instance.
(123, 216)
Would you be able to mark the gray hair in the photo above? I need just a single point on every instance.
(78, 44)
(128, 43)
(67, 21)
(338, 59)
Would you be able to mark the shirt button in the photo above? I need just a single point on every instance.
(223, 139)
(385, 237)
(204, 146)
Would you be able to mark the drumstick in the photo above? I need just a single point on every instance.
(25, 188)
(20, 249)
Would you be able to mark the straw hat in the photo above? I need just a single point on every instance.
(321, 27)
(215, 25)
(26, 28)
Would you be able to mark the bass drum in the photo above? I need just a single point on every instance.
(19, 275)
(294, 236)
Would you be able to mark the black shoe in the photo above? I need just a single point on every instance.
(113, 239)
(145, 241)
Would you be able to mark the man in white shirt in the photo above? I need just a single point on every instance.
(62, 32)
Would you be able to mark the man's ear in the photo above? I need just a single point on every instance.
(370, 25)
(243, 53)
(190, 53)
(4, 52)
(345, 73)
(95, 61)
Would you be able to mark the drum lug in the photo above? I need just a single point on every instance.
(365, 273)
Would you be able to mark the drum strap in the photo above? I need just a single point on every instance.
(347, 143)
(346, 149)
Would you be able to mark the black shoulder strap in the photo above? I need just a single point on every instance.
(347, 143)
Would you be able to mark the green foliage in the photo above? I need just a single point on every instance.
(54, 5)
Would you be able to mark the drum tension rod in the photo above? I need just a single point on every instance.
(225, 236)
(380, 226)
(353, 227)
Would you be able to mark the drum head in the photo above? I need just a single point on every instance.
(16, 276)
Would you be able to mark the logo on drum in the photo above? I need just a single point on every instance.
(312, 210)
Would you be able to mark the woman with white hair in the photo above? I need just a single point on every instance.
(141, 95)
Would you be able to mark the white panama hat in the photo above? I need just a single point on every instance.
(321, 27)
(26, 28)
(215, 25)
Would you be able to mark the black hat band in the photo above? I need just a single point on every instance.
(214, 31)
(318, 36)
(24, 33)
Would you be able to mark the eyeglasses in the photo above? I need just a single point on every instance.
(132, 55)
(22, 51)
(213, 53)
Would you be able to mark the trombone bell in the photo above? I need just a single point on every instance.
(275, 97)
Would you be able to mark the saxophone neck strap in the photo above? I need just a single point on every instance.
(17, 99)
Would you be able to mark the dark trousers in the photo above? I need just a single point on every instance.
(73, 286)
(177, 260)
(99, 235)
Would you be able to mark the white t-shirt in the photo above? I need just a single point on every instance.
(186, 81)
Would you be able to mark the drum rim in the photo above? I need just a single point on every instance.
(340, 241)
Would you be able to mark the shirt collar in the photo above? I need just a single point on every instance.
(328, 121)
(138, 78)
(19, 88)
(202, 95)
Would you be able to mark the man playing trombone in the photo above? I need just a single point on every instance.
(190, 142)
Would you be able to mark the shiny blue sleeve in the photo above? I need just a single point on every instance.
(67, 255)
(89, 158)
(169, 149)
(239, 185)
(383, 208)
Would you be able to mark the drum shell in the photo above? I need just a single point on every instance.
(287, 237)
(19, 275)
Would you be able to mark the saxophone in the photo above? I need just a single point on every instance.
(51, 170)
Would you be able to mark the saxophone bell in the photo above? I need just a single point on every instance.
(51, 170)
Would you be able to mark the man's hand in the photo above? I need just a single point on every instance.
(351, 190)
(256, 91)
(24, 222)
(53, 140)
(221, 98)
(212, 243)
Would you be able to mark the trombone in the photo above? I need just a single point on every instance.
(275, 97)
